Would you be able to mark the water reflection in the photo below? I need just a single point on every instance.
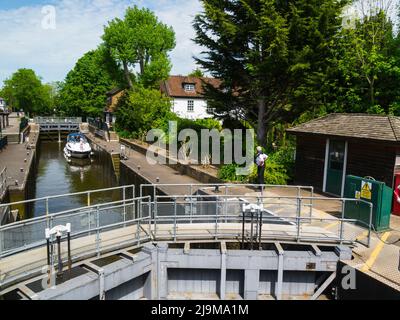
(55, 175)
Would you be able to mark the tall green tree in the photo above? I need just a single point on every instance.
(84, 91)
(368, 59)
(24, 91)
(142, 109)
(271, 56)
(140, 41)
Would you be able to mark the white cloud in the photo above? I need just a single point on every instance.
(79, 26)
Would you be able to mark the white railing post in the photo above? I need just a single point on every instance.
(124, 203)
(298, 218)
(98, 231)
(139, 216)
(175, 219)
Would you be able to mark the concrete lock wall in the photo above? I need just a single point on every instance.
(171, 271)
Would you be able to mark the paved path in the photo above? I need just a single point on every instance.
(13, 127)
(13, 158)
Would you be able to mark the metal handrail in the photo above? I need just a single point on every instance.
(87, 193)
(154, 218)
(87, 210)
(57, 120)
(144, 212)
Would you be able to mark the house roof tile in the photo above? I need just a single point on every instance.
(174, 86)
(365, 126)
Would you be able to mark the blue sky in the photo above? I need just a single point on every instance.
(12, 4)
(25, 43)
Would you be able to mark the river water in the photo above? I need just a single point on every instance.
(56, 176)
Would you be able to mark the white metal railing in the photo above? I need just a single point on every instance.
(220, 212)
(57, 120)
(184, 217)
(219, 208)
(28, 234)
(124, 192)
(228, 189)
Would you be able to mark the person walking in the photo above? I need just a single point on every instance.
(260, 160)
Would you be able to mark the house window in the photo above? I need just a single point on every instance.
(210, 110)
(190, 107)
(189, 87)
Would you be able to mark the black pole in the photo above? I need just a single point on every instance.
(48, 252)
(256, 235)
(261, 224)
(251, 231)
(243, 221)
(69, 254)
(60, 266)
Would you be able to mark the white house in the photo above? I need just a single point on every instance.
(3, 105)
(187, 96)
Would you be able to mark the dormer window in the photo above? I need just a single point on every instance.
(189, 87)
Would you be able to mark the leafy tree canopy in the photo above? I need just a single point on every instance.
(24, 91)
(197, 73)
(142, 109)
(271, 56)
(140, 41)
(85, 87)
(367, 57)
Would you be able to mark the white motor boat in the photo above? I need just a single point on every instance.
(77, 147)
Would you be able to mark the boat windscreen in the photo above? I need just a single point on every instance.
(77, 138)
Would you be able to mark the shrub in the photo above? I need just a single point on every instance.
(278, 169)
(227, 173)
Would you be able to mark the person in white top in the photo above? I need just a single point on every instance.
(260, 160)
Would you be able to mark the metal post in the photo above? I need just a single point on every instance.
(60, 264)
(251, 230)
(371, 206)
(298, 218)
(155, 213)
(175, 219)
(341, 222)
(155, 209)
(149, 214)
(69, 253)
(243, 222)
(191, 209)
(48, 251)
(47, 212)
(226, 204)
(124, 203)
(138, 223)
(216, 219)
(260, 234)
(98, 232)
(256, 233)
(88, 199)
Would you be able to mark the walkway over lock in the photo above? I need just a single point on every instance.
(58, 123)
(248, 218)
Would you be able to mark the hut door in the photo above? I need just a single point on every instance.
(336, 167)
